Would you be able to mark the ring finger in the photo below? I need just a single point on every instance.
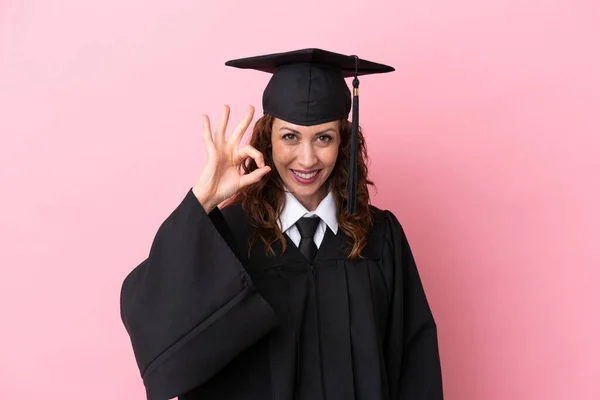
(221, 132)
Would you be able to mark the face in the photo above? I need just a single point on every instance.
(304, 157)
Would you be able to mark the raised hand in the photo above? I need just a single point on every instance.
(222, 175)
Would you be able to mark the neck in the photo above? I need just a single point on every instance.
(312, 202)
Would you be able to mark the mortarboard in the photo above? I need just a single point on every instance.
(308, 88)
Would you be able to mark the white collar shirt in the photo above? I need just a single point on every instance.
(293, 210)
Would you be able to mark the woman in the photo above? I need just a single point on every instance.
(297, 287)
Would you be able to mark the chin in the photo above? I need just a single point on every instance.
(301, 189)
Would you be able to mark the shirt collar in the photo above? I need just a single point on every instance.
(293, 210)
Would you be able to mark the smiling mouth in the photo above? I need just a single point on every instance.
(306, 176)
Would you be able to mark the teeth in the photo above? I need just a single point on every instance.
(305, 176)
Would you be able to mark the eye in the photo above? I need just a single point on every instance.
(327, 138)
(291, 136)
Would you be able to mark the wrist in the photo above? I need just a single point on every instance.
(204, 199)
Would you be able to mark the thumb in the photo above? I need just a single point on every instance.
(254, 176)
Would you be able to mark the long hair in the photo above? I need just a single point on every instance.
(263, 201)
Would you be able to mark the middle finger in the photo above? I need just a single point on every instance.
(239, 131)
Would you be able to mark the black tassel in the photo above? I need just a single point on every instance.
(353, 166)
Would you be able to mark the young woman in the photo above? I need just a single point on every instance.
(295, 287)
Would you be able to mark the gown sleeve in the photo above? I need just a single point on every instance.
(411, 343)
(190, 307)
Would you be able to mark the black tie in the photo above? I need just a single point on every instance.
(307, 227)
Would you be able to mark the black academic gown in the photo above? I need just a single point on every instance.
(208, 322)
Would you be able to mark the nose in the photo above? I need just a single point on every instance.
(307, 156)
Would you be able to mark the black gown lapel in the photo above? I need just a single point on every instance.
(312, 301)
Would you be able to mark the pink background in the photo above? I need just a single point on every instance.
(484, 143)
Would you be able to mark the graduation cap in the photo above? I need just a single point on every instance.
(308, 88)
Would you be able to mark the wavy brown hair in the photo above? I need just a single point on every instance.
(264, 200)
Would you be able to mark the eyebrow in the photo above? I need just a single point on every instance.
(300, 133)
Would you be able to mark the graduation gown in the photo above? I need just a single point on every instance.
(208, 322)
